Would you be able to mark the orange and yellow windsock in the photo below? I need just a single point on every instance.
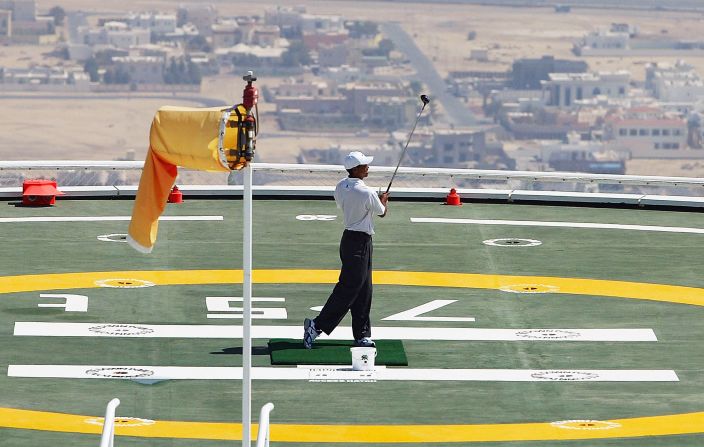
(205, 139)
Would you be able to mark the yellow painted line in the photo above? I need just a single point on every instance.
(676, 424)
(577, 286)
(679, 424)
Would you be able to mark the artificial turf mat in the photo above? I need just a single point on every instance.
(288, 351)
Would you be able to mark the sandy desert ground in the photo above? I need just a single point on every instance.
(100, 128)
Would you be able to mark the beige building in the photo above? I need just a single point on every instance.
(646, 133)
(564, 89)
(226, 34)
(142, 69)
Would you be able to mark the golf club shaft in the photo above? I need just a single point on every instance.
(403, 152)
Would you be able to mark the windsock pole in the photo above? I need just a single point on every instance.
(247, 310)
(250, 98)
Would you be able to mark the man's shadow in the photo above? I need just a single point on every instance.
(256, 350)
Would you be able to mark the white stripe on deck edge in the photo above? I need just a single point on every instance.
(537, 223)
(100, 218)
(155, 373)
(28, 328)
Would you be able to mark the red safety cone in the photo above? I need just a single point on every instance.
(453, 198)
(39, 192)
(175, 196)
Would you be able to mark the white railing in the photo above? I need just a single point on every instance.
(485, 174)
(472, 174)
(263, 433)
(108, 436)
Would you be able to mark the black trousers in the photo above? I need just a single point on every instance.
(353, 291)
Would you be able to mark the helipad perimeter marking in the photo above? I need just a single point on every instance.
(576, 286)
(539, 223)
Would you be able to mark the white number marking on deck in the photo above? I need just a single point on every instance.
(413, 314)
(73, 303)
(222, 304)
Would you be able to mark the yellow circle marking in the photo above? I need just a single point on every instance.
(676, 424)
(575, 286)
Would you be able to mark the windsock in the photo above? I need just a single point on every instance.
(207, 139)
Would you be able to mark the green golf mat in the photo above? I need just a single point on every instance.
(288, 351)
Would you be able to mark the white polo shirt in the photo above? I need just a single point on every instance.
(358, 203)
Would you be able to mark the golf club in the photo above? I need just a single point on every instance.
(425, 100)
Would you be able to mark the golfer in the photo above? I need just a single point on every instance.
(353, 291)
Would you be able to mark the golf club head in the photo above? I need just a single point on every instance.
(425, 99)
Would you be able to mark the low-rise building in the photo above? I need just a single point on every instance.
(526, 74)
(142, 69)
(384, 154)
(390, 112)
(266, 35)
(333, 55)
(576, 155)
(157, 23)
(459, 148)
(226, 34)
(311, 23)
(565, 89)
(43, 78)
(242, 53)
(606, 162)
(359, 92)
(677, 82)
(646, 132)
(602, 39)
(115, 34)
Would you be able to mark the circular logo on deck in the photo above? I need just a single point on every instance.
(114, 237)
(512, 242)
(564, 376)
(124, 283)
(547, 334)
(122, 421)
(120, 329)
(120, 372)
(585, 424)
(529, 288)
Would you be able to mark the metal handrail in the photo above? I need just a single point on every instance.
(475, 174)
(263, 433)
(108, 436)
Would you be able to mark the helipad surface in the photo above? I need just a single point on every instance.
(567, 326)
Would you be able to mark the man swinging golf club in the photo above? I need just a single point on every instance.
(353, 291)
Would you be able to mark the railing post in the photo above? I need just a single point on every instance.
(108, 435)
(263, 433)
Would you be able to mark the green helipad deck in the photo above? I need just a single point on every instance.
(523, 326)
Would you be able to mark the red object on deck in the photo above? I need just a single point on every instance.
(175, 196)
(39, 192)
(453, 198)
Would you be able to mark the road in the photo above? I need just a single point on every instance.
(457, 113)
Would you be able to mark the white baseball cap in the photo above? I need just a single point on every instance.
(356, 158)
